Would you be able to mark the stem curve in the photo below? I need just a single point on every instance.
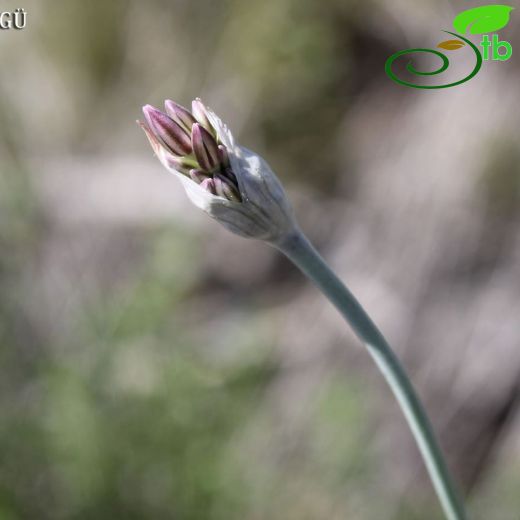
(301, 252)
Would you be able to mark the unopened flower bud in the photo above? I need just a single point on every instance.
(232, 184)
(204, 147)
(180, 115)
(198, 175)
(229, 177)
(201, 115)
(209, 185)
(173, 136)
(181, 164)
(223, 157)
(225, 188)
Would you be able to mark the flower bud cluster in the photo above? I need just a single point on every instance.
(192, 144)
(233, 185)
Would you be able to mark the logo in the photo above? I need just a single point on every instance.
(16, 19)
(478, 21)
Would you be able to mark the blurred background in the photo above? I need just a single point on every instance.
(152, 365)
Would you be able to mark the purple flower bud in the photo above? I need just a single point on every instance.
(255, 207)
(225, 189)
(209, 185)
(199, 111)
(219, 186)
(155, 144)
(167, 131)
(180, 115)
(204, 147)
(223, 156)
(231, 194)
(180, 164)
(229, 177)
(198, 175)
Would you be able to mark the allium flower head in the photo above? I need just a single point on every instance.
(232, 184)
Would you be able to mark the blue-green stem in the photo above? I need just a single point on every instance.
(301, 252)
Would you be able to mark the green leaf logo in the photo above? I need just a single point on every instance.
(484, 19)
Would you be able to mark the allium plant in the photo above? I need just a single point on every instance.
(238, 189)
(232, 184)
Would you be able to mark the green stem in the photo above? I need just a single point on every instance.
(301, 252)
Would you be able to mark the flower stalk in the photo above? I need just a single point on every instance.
(302, 254)
(237, 188)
